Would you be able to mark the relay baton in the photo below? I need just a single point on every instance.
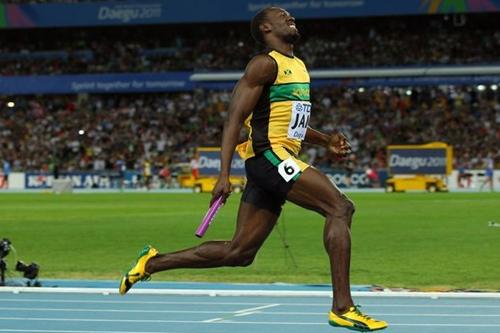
(209, 217)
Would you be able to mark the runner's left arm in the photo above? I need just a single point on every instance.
(336, 143)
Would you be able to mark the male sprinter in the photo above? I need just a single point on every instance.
(272, 100)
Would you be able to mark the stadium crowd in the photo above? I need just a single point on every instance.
(95, 132)
(326, 43)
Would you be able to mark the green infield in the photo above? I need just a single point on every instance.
(413, 240)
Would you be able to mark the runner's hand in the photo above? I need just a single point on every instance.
(222, 187)
(339, 145)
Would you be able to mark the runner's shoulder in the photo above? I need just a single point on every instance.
(261, 69)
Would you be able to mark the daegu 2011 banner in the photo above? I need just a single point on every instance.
(209, 163)
(429, 159)
(133, 12)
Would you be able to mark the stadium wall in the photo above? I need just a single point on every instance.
(187, 81)
(85, 180)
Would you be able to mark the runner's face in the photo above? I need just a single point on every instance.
(284, 25)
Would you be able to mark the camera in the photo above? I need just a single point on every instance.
(4, 247)
(29, 271)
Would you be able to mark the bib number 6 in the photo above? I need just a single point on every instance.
(288, 169)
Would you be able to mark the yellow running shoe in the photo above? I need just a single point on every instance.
(354, 320)
(138, 271)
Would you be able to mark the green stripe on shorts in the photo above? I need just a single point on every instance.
(297, 176)
(271, 157)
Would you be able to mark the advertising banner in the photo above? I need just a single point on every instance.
(102, 13)
(80, 180)
(430, 159)
(95, 83)
(180, 81)
(209, 163)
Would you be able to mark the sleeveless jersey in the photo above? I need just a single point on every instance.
(281, 116)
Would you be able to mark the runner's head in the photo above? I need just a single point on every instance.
(274, 22)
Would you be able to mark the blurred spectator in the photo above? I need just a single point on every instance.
(147, 173)
(167, 127)
(488, 165)
(165, 177)
(5, 174)
(464, 177)
(372, 175)
(353, 42)
(195, 165)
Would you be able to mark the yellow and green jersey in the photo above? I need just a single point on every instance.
(282, 114)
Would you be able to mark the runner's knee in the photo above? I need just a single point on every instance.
(239, 257)
(343, 208)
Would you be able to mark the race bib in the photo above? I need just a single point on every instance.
(301, 112)
(288, 169)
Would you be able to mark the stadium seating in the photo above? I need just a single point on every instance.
(93, 132)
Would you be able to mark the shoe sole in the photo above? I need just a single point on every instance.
(354, 328)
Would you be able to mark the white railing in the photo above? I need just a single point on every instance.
(370, 72)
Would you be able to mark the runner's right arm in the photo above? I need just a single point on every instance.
(260, 71)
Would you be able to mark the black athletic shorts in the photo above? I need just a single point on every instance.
(269, 178)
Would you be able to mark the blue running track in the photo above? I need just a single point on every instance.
(110, 313)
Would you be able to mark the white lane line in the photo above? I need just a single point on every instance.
(241, 312)
(449, 325)
(101, 320)
(212, 320)
(31, 300)
(75, 331)
(110, 310)
(434, 315)
(251, 292)
(228, 322)
(257, 308)
(323, 324)
(246, 314)
(431, 306)
(279, 313)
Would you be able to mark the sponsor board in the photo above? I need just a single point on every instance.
(96, 83)
(430, 159)
(343, 180)
(80, 180)
(209, 163)
(188, 11)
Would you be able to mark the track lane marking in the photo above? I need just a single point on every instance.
(240, 312)
(249, 303)
(77, 331)
(257, 308)
(227, 322)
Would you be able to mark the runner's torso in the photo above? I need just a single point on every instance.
(282, 114)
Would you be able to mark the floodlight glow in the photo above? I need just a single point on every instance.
(481, 87)
(81, 132)
(408, 92)
(494, 87)
(361, 89)
(11, 104)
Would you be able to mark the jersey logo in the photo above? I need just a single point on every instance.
(288, 71)
(301, 113)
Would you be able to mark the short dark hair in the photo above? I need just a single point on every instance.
(257, 20)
